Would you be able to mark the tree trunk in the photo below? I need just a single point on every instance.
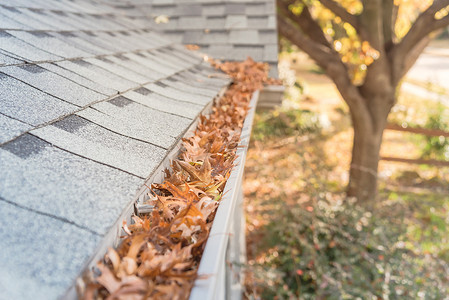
(364, 165)
(366, 148)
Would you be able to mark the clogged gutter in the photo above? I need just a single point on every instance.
(159, 257)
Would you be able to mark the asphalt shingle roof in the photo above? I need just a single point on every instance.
(91, 101)
(224, 29)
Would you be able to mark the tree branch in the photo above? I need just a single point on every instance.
(372, 21)
(389, 21)
(439, 24)
(317, 51)
(423, 25)
(413, 55)
(417, 35)
(341, 12)
(305, 21)
(330, 61)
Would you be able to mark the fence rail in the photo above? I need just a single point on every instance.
(417, 130)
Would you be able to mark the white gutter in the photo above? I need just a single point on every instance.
(219, 273)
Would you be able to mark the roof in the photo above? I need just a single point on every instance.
(224, 29)
(91, 102)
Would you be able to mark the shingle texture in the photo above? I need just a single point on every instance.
(224, 29)
(91, 102)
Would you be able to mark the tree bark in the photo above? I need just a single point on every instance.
(364, 165)
(367, 141)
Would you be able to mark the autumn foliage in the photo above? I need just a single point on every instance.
(159, 257)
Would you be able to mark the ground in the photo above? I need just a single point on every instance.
(284, 172)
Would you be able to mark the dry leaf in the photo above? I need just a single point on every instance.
(160, 256)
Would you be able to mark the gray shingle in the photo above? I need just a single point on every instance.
(53, 84)
(128, 126)
(193, 37)
(56, 182)
(161, 126)
(220, 51)
(236, 22)
(10, 128)
(168, 58)
(205, 77)
(97, 41)
(256, 8)
(72, 39)
(171, 24)
(214, 9)
(189, 10)
(215, 22)
(80, 21)
(8, 60)
(195, 22)
(244, 37)
(9, 23)
(163, 9)
(97, 74)
(215, 37)
(19, 48)
(109, 65)
(151, 75)
(50, 44)
(146, 40)
(189, 56)
(48, 18)
(79, 79)
(234, 8)
(152, 63)
(270, 52)
(241, 52)
(175, 35)
(183, 86)
(258, 22)
(270, 6)
(162, 103)
(116, 40)
(102, 145)
(40, 255)
(29, 105)
(271, 22)
(173, 93)
(19, 17)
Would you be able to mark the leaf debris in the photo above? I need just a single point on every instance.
(159, 257)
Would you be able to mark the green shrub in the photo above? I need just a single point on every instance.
(437, 147)
(338, 250)
(285, 123)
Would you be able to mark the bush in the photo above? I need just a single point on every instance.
(437, 147)
(337, 250)
(285, 123)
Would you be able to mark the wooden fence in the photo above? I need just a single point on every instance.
(417, 130)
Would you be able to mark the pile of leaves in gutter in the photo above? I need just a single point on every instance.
(159, 257)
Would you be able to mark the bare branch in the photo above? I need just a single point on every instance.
(341, 12)
(305, 21)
